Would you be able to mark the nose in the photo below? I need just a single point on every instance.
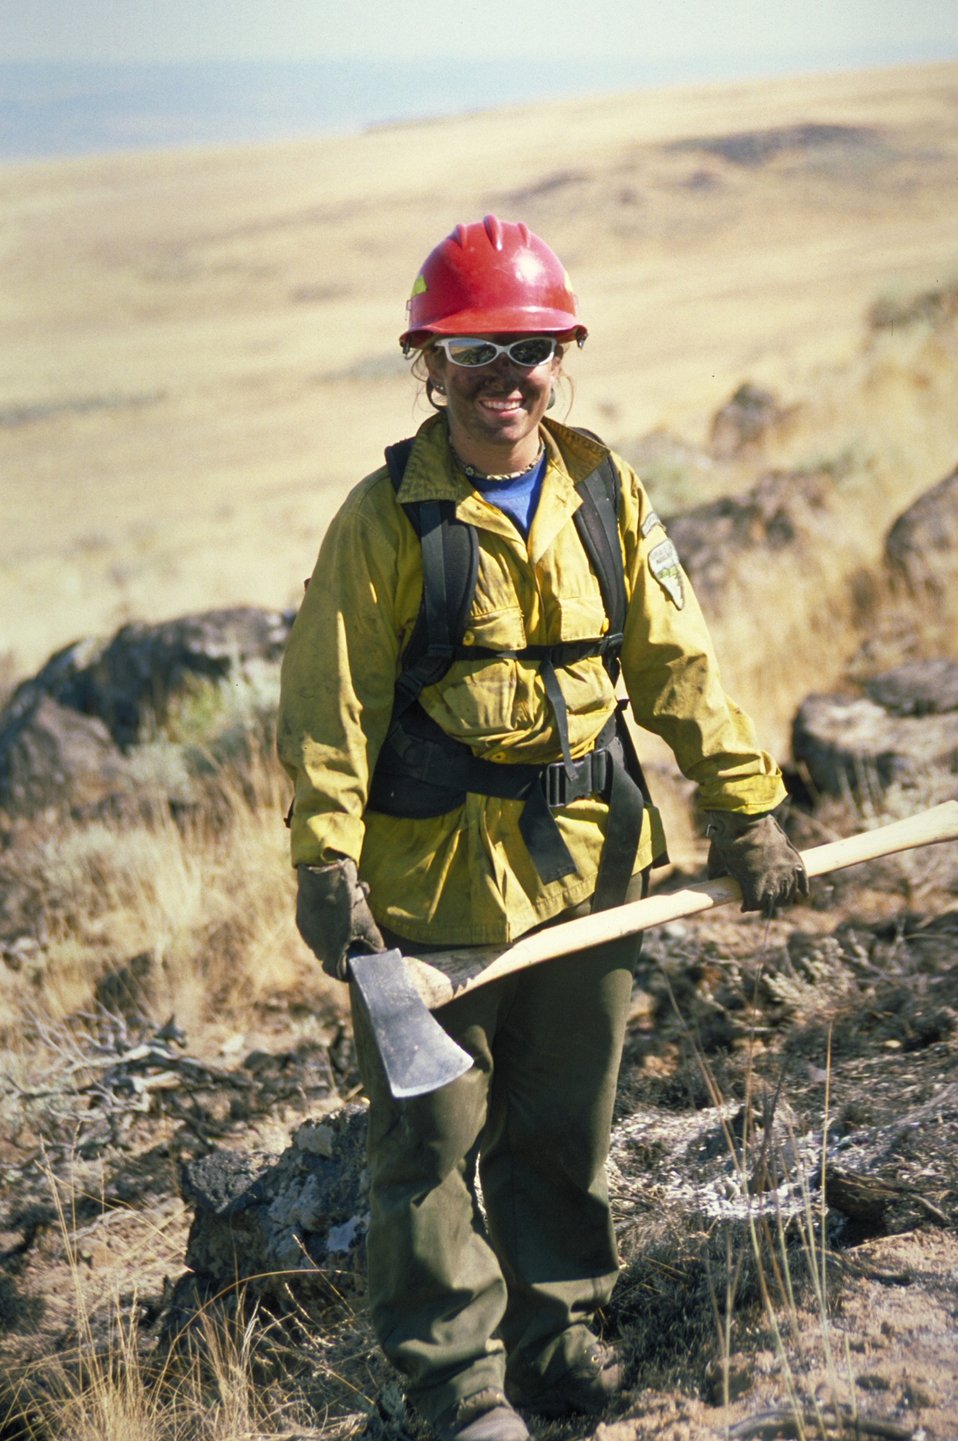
(502, 365)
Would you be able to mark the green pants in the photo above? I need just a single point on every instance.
(461, 1301)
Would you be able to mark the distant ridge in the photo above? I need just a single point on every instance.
(51, 109)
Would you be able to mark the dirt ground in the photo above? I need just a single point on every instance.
(761, 1058)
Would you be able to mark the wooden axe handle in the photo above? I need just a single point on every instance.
(449, 973)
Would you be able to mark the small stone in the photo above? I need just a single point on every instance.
(919, 1394)
(732, 1377)
(314, 1138)
(871, 1381)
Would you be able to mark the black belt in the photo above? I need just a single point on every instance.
(422, 772)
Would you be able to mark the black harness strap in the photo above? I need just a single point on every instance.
(422, 772)
(450, 565)
(596, 520)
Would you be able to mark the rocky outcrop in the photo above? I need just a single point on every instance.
(919, 688)
(130, 681)
(745, 420)
(66, 733)
(905, 726)
(49, 752)
(922, 545)
(784, 509)
(290, 1228)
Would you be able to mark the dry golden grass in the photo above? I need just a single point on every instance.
(206, 898)
(203, 900)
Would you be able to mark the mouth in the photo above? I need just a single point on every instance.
(499, 404)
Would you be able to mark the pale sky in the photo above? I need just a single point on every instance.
(720, 33)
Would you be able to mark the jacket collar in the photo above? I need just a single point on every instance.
(432, 474)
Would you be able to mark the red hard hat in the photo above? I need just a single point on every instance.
(488, 277)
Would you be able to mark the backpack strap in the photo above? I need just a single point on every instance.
(450, 565)
(597, 521)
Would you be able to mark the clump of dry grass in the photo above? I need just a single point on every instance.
(105, 1384)
(233, 1373)
(202, 897)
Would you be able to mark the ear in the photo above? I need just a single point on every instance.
(435, 361)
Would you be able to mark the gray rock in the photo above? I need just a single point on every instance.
(784, 509)
(921, 687)
(848, 743)
(291, 1228)
(52, 756)
(129, 681)
(66, 733)
(922, 545)
(744, 420)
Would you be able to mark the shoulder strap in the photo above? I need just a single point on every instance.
(397, 458)
(597, 523)
(450, 565)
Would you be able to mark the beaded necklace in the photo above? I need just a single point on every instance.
(480, 475)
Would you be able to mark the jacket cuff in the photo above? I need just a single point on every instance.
(751, 796)
(320, 840)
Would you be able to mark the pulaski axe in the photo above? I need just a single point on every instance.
(397, 993)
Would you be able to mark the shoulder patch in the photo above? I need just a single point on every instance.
(664, 565)
(650, 522)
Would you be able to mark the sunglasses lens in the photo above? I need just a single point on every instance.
(534, 351)
(470, 352)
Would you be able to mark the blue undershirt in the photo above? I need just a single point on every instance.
(517, 498)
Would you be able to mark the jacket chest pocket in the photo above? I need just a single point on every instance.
(579, 617)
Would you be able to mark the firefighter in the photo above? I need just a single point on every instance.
(464, 793)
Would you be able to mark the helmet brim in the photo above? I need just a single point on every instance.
(507, 321)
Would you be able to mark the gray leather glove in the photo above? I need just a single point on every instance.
(756, 852)
(332, 913)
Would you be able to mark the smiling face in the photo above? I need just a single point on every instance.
(494, 410)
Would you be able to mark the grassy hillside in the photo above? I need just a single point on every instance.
(201, 350)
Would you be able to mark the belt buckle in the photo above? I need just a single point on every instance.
(553, 783)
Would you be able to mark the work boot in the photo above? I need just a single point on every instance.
(585, 1389)
(484, 1416)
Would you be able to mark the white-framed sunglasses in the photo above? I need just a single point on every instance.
(471, 350)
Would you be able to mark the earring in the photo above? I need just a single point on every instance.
(439, 389)
(433, 388)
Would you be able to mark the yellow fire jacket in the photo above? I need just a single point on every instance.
(465, 878)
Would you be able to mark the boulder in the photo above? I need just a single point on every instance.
(922, 545)
(51, 755)
(783, 509)
(130, 681)
(290, 1228)
(927, 687)
(66, 733)
(905, 726)
(744, 421)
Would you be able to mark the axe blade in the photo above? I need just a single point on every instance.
(417, 1054)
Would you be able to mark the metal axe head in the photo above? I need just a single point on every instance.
(417, 1054)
